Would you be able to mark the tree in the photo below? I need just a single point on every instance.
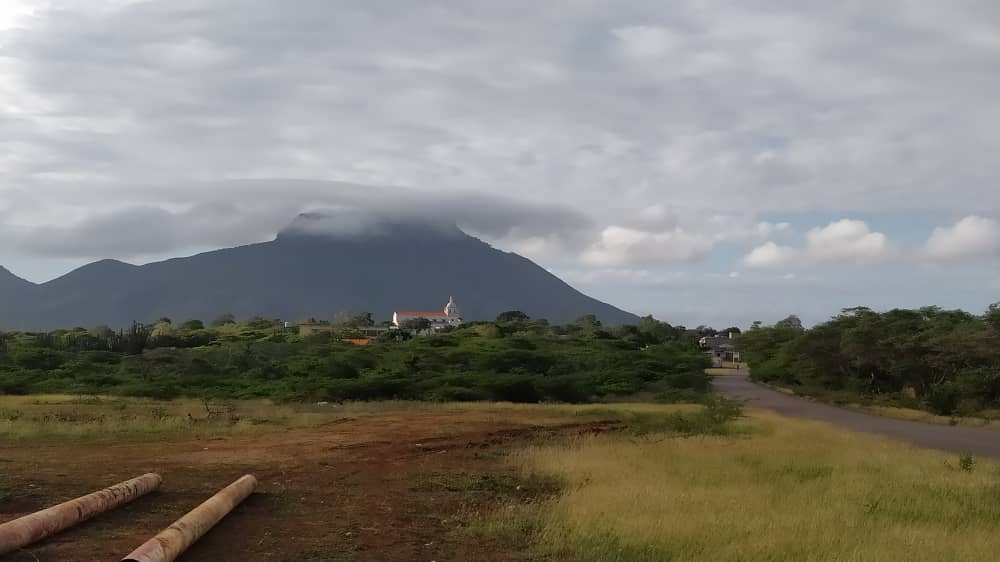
(161, 331)
(102, 332)
(993, 317)
(756, 325)
(792, 322)
(733, 329)
(513, 316)
(192, 325)
(353, 319)
(223, 320)
(393, 335)
(164, 320)
(416, 324)
(261, 323)
(652, 331)
(588, 321)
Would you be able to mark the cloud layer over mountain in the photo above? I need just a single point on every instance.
(682, 141)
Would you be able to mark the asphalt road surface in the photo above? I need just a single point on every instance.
(979, 442)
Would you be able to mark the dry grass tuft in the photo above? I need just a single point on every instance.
(790, 491)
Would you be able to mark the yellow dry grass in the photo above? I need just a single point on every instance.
(47, 417)
(108, 418)
(789, 490)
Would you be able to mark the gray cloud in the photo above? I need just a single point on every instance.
(237, 212)
(790, 107)
(539, 126)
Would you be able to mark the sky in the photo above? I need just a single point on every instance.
(703, 161)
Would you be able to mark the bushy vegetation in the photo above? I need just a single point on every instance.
(515, 359)
(946, 361)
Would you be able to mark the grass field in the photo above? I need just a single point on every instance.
(590, 483)
(786, 491)
(383, 481)
(55, 417)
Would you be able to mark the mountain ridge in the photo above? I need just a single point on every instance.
(305, 272)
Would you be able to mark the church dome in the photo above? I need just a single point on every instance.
(451, 309)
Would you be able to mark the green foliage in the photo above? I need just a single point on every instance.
(354, 319)
(223, 320)
(947, 361)
(714, 419)
(517, 361)
(416, 324)
(792, 322)
(192, 325)
(966, 462)
(513, 316)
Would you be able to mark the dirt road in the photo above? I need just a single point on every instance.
(981, 442)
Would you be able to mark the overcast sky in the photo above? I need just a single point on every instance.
(703, 161)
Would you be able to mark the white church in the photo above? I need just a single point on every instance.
(450, 316)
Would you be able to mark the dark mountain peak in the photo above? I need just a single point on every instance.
(96, 271)
(364, 226)
(108, 265)
(8, 279)
(321, 264)
(111, 263)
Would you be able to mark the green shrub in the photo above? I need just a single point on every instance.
(522, 361)
(943, 399)
(513, 388)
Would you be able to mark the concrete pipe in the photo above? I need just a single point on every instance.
(35, 527)
(175, 539)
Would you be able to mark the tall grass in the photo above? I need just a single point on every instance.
(790, 491)
(46, 417)
(108, 418)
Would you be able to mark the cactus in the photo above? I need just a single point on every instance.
(131, 342)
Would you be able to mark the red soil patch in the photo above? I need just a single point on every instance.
(375, 488)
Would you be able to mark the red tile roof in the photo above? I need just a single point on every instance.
(421, 314)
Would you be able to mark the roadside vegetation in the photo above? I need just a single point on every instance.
(986, 419)
(515, 359)
(943, 361)
(765, 488)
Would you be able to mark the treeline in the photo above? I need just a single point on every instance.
(946, 361)
(513, 359)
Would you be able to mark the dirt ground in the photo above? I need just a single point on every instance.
(395, 487)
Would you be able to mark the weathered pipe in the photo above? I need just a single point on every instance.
(176, 538)
(35, 527)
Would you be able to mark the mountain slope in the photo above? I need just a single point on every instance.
(14, 295)
(304, 273)
(11, 282)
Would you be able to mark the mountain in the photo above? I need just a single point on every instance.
(312, 269)
(11, 282)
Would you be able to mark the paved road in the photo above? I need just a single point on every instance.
(980, 442)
